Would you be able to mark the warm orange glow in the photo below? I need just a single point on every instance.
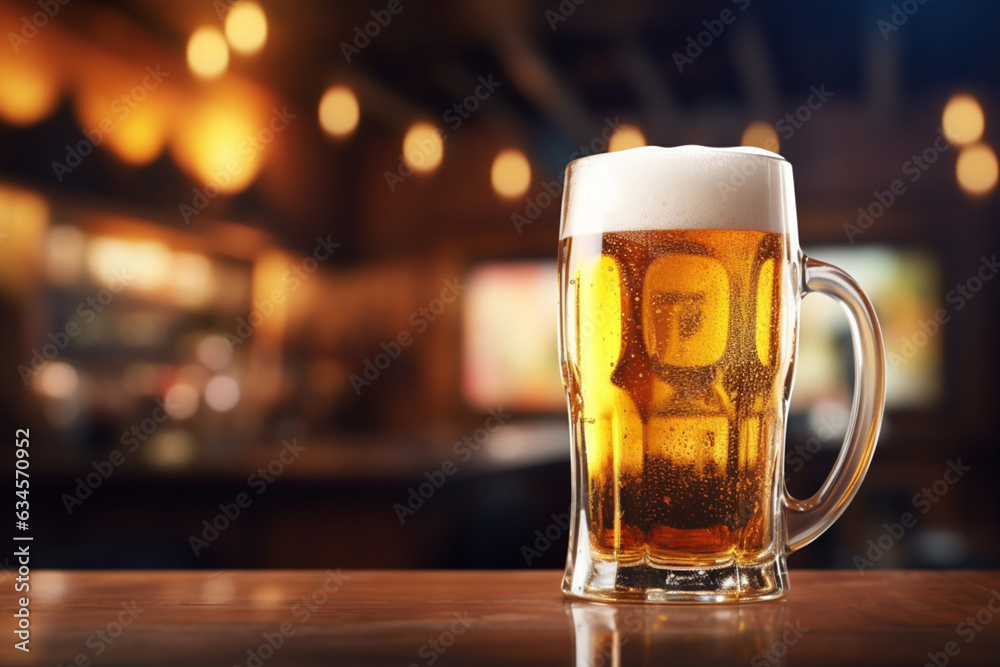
(24, 218)
(625, 137)
(169, 448)
(963, 121)
(57, 380)
(339, 111)
(246, 27)
(761, 134)
(181, 400)
(207, 52)
(140, 138)
(511, 173)
(29, 87)
(977, 169)
(423, 149)
(64, 254)
(117, 263)
(222, 141)
(192, 279)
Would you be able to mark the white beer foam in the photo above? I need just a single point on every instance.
(686, 187)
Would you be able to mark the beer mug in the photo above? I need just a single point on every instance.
(680, 281)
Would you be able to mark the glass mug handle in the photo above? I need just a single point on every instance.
(805, 520)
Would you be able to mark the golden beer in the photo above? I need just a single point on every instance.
(680, 278)
(675, 364)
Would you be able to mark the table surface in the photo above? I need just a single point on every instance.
(258, 618)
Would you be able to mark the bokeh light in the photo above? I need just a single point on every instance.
(29, 87)
(207, 52)
(222, 141)
(511, 173)
(213, 352)
(170, 448)
(963, 120)
(977, 169)
(181, 400)
(64, 254)
(423, 148)
(246, 27)
(761, 134)
(339, 111)
(191, 276)
(222, 393)
(625, 137)
(57, 380)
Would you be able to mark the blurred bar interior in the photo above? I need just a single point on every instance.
(229, 226)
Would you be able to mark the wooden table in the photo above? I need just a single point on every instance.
(494, 618)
